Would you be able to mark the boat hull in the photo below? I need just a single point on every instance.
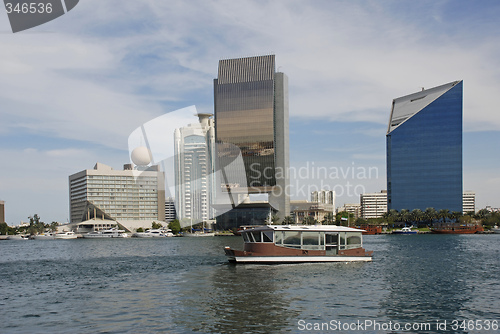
(297, 259)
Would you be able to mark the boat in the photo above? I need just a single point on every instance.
(154, 233)
(111, 233)
(65, 235)
(18, 237)
(199, 234)
(457, 229)
(44, 236)
(404, 230)
(371, 229)
(496, 229)
(300, 244)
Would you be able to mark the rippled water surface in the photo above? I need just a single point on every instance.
(185, 285)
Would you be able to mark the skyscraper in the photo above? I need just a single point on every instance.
(194, 170)
(251, 112)
(424, 150)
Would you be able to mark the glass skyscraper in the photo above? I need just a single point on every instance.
(424, 150)
(251, 112)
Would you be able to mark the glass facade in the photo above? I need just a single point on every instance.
(424, 150)
(244, 114)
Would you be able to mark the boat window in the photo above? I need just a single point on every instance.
(342, 240)
(267, 236)
(278, 238)
(245, 237)
(353, 240)
(256, 236)
(331, 239)
(291, 239)
(310, 240)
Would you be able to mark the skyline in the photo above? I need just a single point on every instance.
(75, 88)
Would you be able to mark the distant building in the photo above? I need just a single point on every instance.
(373, 205)
(251, 113)
(170, 213)
(194, 170)
(469, 201)
(2, 212)
(323, 197)
(132, 197)
(354, 208)
(424, 150)
(304, 209)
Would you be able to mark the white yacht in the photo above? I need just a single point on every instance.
(44, 236)
(154, 233)
(112, 233)
(65, 235)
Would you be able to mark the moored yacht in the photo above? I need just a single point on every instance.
(154, 233)
(112, 233)
(65, 235)
(300, 243)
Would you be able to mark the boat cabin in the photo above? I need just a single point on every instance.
(300, 243)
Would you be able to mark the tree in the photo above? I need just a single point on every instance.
(155, 225)
(287, 220)
(417, 216)
(309, 221)
(53, 226)
(430, 214)
(274, 219)
(328, 219)
(455, 215)
(175, 226)
(361, 221)
(444, 214)
(139, 230)
(36, 226)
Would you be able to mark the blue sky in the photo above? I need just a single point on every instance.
(72, 90)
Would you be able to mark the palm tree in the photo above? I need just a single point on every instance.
(455, 215)
(404, 216)
(416, 216)
(444, 214)
(309, 221)
(328, 219)
(287, 220)
(430, 214)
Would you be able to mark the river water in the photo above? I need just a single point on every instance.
(185, 285)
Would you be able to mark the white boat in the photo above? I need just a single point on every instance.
(199, 234)
(18, 237)
(404, 230)
(65, 235)
(496, 229)
(112, 233)
(44, 236)
(154, 233)
(300, 243)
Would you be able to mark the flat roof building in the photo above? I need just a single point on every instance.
(469, 201)
(119, 195)
(424, 150)
(354, 208)
(373, 205)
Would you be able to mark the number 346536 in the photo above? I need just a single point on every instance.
(28, 7)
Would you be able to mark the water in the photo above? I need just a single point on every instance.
(185, 285)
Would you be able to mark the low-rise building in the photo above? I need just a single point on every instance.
(303, 209)
(354, 208)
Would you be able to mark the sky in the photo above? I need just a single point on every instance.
(73, 90)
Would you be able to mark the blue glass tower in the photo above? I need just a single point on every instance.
(424, 150)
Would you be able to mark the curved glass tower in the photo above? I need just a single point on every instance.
(424, 150)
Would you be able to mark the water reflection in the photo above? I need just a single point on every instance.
(424, 287)
(234, 299)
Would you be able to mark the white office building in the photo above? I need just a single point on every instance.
(131, 197)
(323, 197)
(469, 202)
(373, 205)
